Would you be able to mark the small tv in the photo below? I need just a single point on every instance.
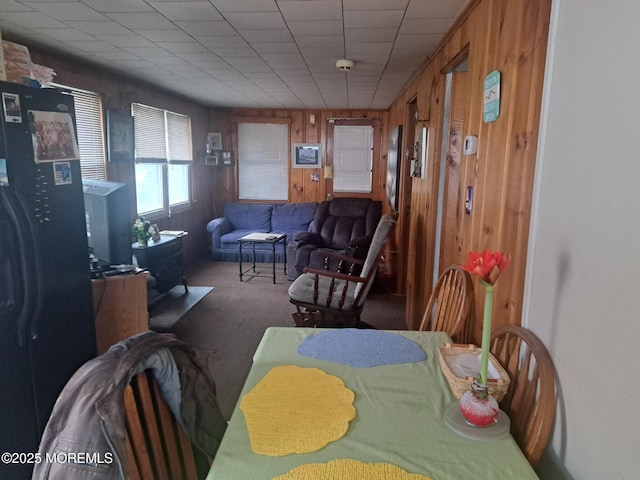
(106, 206)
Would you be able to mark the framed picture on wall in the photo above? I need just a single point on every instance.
(214, 141)
(306, 155)
(213, 159)
(120, 136)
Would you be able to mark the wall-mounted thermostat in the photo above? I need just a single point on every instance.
(470, 145)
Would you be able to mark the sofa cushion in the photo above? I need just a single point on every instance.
(292, 217)
(253, 217)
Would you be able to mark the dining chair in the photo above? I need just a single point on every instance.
(326, 298)
(449, 304)
(530, 400)
(157, 445)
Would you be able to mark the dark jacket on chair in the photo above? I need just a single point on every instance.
(87, 426)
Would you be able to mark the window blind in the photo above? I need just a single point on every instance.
(90, 128)
(263, 161)
(352, 158)
(150, 138)
(179, 137)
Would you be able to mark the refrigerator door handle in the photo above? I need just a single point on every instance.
(33, 263)
(16, 216)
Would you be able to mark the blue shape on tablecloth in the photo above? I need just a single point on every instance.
(361, 348)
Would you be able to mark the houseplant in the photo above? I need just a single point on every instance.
(477, 405)
(141, 230)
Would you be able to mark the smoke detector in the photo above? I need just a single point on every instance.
(344, 65)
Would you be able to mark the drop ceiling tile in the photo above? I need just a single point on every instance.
(115, 6)
(435, 8)
(164, 35)
(93, 47)
(207, 28)
(182, 47)
(168, 60)
(66, 35)
(313, 27)
(107, 27)
(349, 5)
(12, 6)
(118, 55)
(423, 25)
(245, 6)
(126, 41)
(305, 10)
(148, 52)
(418, 42)
(186, 11)
(370, 35)
(137, 20)
(31, 20)
(260, 35)
(215, 42)
(250, 20)
(65, 11)
(288, 60)
(202, 58)
(253, 70)
(238, 56)
(276, 48)
(373, 19)
(320, 41)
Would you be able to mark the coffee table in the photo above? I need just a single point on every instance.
(254, 238)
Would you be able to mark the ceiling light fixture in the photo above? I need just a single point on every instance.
(344, 65)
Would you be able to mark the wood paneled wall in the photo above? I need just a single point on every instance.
(301, 187)
(510, 37)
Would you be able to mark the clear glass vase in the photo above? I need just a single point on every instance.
(478, 406)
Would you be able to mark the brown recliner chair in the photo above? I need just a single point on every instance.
(342, 225)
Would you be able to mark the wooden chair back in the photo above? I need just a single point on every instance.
(157, 446)
(449, 304)
(530, 401)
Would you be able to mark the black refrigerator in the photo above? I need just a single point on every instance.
(47, 328)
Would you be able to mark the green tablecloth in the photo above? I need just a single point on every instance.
(399, 420)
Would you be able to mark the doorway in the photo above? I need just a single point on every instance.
(450, 209)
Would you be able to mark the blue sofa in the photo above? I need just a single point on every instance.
(240, 219)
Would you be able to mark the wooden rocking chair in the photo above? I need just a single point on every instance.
(336, 299)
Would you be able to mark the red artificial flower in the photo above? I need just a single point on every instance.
(486, 265)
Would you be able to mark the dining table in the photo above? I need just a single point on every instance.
(393, 411)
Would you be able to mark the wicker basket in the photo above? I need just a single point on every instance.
(497, 386)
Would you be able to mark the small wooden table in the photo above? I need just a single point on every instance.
(120, 308)
(252, 239)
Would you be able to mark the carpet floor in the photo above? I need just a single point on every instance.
(230, 320)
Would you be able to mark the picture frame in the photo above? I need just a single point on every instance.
(306, 155)
(120, 136)
(213, 159)
(214, 141)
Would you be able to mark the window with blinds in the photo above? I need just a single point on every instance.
(263, 161)
(90, 127)
(352, 158)
(163, 160)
